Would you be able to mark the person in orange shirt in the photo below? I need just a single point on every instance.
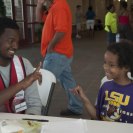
(57, 49)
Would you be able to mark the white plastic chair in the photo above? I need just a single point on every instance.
(46, 89)
(104, 79)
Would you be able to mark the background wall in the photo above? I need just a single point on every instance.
(73, 4)
(99, 6)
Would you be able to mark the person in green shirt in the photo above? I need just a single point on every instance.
(111, 24)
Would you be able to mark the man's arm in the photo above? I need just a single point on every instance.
(32, 97)
(9, 92)
(109, 27)
(57, 37)
(39, 12)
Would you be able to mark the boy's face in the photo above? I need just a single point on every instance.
(111, 68)
(8, 43)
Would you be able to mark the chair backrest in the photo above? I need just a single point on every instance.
(104, 79)
(46, 89)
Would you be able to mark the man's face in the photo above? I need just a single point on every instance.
(113, 9)
(48, 3)
(8, 43)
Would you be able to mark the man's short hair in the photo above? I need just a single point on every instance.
(5, 23)
(110, 6)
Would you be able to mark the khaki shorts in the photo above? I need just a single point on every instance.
(78, 26)
(90, 24)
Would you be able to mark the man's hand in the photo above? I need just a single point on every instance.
(50, 49)
(57, 37)
(37, 71)
(41, 1)
(36, 75)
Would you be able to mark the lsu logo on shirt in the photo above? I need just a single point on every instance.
(117, 97)
(112, 110)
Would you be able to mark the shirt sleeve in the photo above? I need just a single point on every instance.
(107, 20)
(32, 98)
(60, 20)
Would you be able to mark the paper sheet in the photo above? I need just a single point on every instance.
(75, 126)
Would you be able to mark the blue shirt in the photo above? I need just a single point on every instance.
(90, 15)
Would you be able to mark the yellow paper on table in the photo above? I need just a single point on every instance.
(20, 126)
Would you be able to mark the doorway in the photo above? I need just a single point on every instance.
(23, 12)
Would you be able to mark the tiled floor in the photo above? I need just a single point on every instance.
(86, 66)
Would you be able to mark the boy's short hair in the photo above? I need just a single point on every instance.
(6, 22)
(124, 51)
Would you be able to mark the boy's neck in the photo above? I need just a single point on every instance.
(124, 81)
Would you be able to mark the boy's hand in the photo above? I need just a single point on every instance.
(79, 92)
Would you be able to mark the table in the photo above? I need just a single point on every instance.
(92, 126)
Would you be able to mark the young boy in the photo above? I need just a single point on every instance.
(115, 98)
(18, 91)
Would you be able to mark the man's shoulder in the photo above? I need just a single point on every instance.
(60, 5)
(20, 57)
(108, 14)
(24, 60)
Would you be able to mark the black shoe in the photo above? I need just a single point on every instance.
(68, 112)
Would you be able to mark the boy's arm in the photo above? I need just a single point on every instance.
(90, 108)
(87, 103)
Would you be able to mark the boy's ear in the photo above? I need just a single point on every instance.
(128, 69)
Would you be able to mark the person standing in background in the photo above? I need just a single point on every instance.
(111, 24)
(57, 49)
(79, 17)
(124, 18)
(90, 22)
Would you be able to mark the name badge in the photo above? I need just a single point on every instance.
(19, 105)
(20, 95)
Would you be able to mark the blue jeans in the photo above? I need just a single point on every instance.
(59, 65)
(111, 37)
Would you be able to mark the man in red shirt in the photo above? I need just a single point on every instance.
(57, 48)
